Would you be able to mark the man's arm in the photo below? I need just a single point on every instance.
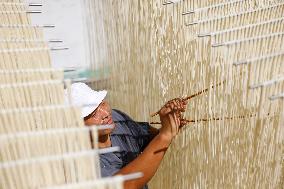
(153, 131)
(149, 161)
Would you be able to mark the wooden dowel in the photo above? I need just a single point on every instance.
(191, 96)
(210, 119)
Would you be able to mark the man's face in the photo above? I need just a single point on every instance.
(101, 116)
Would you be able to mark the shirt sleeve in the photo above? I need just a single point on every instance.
(144, 128)
(108, 171)
(139, 130)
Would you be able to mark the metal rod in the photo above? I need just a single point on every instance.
(48, 26)
(267, 83)
(232, 15)
(102, 127)
(19, 12)
(15, 3)
(241, 27)
(26, 26)
(20, 40)
(55, 40)
(192, 23)
(188, 12)
(247, 39)
(58, 48)
(34, 49)
(204, 35)
(34, 11)
(258, 58)
(211, 6)
(275, 97)
(218, 44)
(132, 176)
(53, 131)
(219, 5)
(108, 150)
(171, 2)
(167, 3)
(64, 156)
(35, 4)
(87, 184)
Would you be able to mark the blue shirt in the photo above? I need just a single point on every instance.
(132, 137)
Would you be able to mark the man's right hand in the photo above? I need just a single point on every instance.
(170, 115)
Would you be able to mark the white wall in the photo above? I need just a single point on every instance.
(68, 18)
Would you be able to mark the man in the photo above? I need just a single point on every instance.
(142, 146)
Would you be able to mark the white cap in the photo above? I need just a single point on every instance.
(85, 97)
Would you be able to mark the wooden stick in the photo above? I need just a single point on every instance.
(209, 119)
(191, 96)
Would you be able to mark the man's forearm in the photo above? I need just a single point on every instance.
(153, 131)
(147, 162)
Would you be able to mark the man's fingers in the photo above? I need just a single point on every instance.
(172, 106)
(182, 123)
(165, 110)
(172, 122)
(176, 105)
(177, 122)
(171, 115)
